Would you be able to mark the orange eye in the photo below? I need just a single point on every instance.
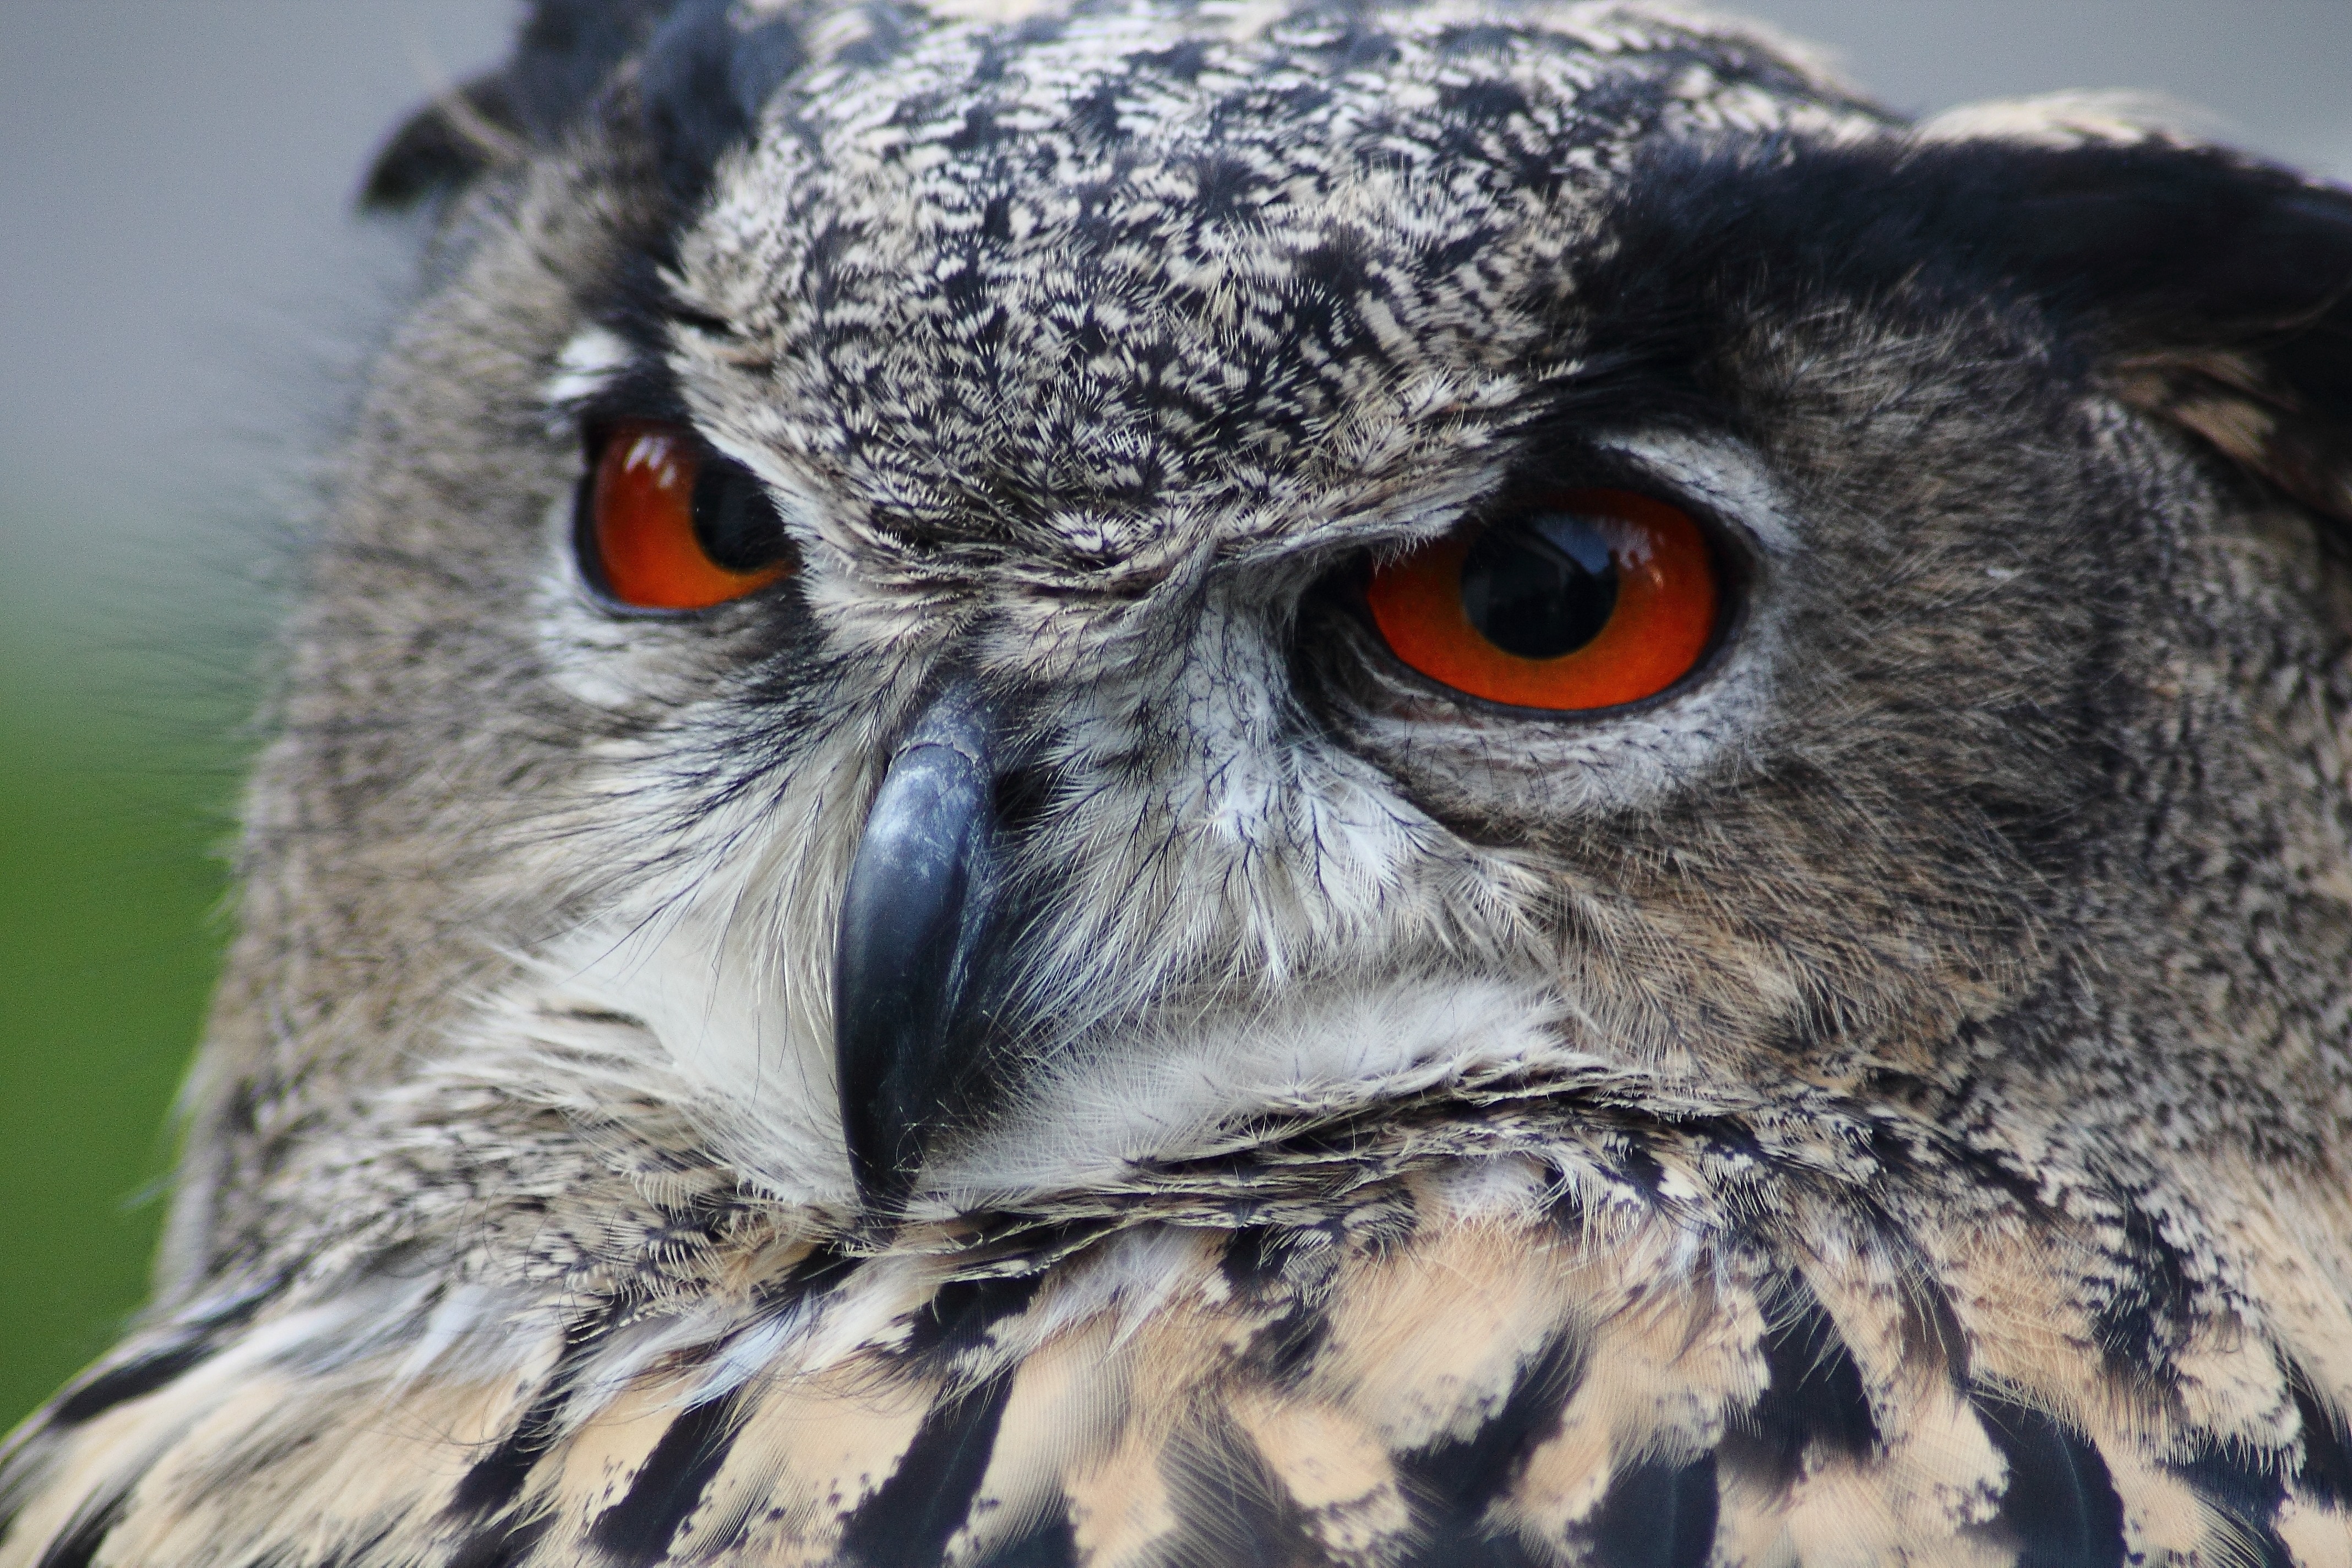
(1583, 599)
(668, 528)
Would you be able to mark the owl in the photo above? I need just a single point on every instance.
(1195, 784)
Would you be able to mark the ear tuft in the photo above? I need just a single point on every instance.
(446, 146)
(699, 73)
(2215, 292)
(566, 53)
(2230, 398)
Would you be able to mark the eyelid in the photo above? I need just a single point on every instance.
(1719, 479)
(587, 369)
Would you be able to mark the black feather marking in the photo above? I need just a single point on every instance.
(1452, 1483)
(2143, 1325)
(1456, 1480)
(1257, 1257)
(122, 1384)
(1815, 1398)
(495, 1479)
(1293, 1267)
(2246, 1485)
(500, 1545)
(78, 1545)
(819, 1269)
(493, 1482)
(1638, 1166)
(911, 1518)
(1285, 1348)
(1656, 1515)
(1455, 1544)
(1052, 1541)
(2326, 1474)
(960, 1315)
(638, 1528)
(1234, 1511)
(2060, 1508)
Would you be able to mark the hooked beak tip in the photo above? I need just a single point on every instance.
(917, 906)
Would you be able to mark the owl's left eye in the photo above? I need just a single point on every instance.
(1569, 602)
(665, 526)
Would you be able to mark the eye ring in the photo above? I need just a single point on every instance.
(665, 527)
(1573, 601)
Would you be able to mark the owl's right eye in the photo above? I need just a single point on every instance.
(664, 526)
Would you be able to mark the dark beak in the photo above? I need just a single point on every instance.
(917, 910)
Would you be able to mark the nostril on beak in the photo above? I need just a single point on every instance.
(921, 896)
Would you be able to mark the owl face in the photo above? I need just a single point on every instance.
(1059, 415)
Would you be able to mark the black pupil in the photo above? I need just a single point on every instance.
(1540, 586)
(734, 521)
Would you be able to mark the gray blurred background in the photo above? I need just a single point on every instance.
(183, 298)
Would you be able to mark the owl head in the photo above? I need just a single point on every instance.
(944, 606)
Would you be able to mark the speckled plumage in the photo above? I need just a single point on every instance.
(1884, 1100)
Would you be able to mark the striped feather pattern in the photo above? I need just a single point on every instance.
(1578, 1345)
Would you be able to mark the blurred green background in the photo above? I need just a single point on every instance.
(106, 955)
(182, 301)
